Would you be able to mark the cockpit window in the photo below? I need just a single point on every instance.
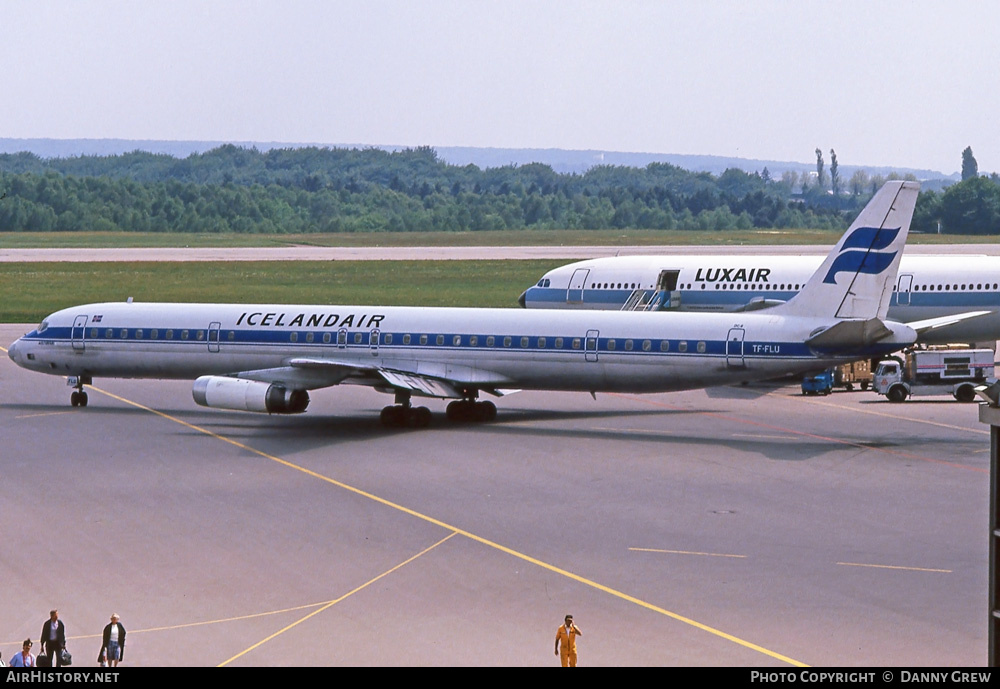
(43, 326)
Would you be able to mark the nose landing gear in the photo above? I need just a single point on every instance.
(79, 397)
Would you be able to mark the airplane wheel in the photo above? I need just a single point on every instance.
(74, 399)
(457, 411)
(392, 416)
(83, 399)
(487, 411)
(419, 417)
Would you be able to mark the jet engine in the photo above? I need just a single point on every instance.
(248, 395)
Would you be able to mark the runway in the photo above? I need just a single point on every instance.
(439, 253)
(748, 527)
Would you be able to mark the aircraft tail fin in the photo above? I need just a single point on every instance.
(857, 278)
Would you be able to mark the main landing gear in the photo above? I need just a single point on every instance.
(79, 397)
(402, 414)
(471, 410)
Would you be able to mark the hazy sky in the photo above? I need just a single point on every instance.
(907, 84)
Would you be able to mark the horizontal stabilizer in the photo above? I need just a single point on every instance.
(758, 303)
(943, 321)
(850, 334)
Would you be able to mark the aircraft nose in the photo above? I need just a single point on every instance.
(521, 299)
(12, 352)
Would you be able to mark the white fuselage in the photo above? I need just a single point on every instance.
(926, 287)
(312, 346)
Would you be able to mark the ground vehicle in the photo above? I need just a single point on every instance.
(855, 373)
(819, 384)
(934, 372)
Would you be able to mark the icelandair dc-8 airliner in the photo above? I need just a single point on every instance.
(266, 358)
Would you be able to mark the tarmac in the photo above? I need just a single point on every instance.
(730, 527)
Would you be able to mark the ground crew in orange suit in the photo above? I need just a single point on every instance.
(566, 642)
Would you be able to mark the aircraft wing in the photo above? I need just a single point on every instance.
(943, 321)
(427, 379)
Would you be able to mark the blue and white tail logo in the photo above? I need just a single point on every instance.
(856, 279)
(862, 252)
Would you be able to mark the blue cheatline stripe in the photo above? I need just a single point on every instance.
(752, 350)
(724, 299)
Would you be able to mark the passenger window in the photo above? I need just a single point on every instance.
(109, 333)
(154, 333)
(231, 335)
(138, 334)
(506, 342)
(388, 339)
(169, 335)
(559, 343)
(646, 345)
(473, 341)
(124, 333)
(664, 345)
(358, 338)
(456, 341)
(406, 339)
(93, 333)
(612, 345)
(490, 341)
(310, 337)
(423, 339)
(701, 347)
(524, 343)
(576, 343)
(294, 337)
(439, 339)
(541, 343)
(628, 345)
(682, 346)
(200, 335)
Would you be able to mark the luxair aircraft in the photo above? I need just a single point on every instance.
(927, 287)
(268, 357)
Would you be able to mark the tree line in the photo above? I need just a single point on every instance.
(232, 189)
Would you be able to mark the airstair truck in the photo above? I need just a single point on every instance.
(934, 372)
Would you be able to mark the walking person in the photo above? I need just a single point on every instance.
(113, 644)
(566, 642)
(53, 640)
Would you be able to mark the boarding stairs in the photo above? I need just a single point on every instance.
(651, 300)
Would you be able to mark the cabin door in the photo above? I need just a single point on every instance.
(734, 348)
(79, 330)
(903, 290)
(590, 345)
(574, 295)
(213, 336)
